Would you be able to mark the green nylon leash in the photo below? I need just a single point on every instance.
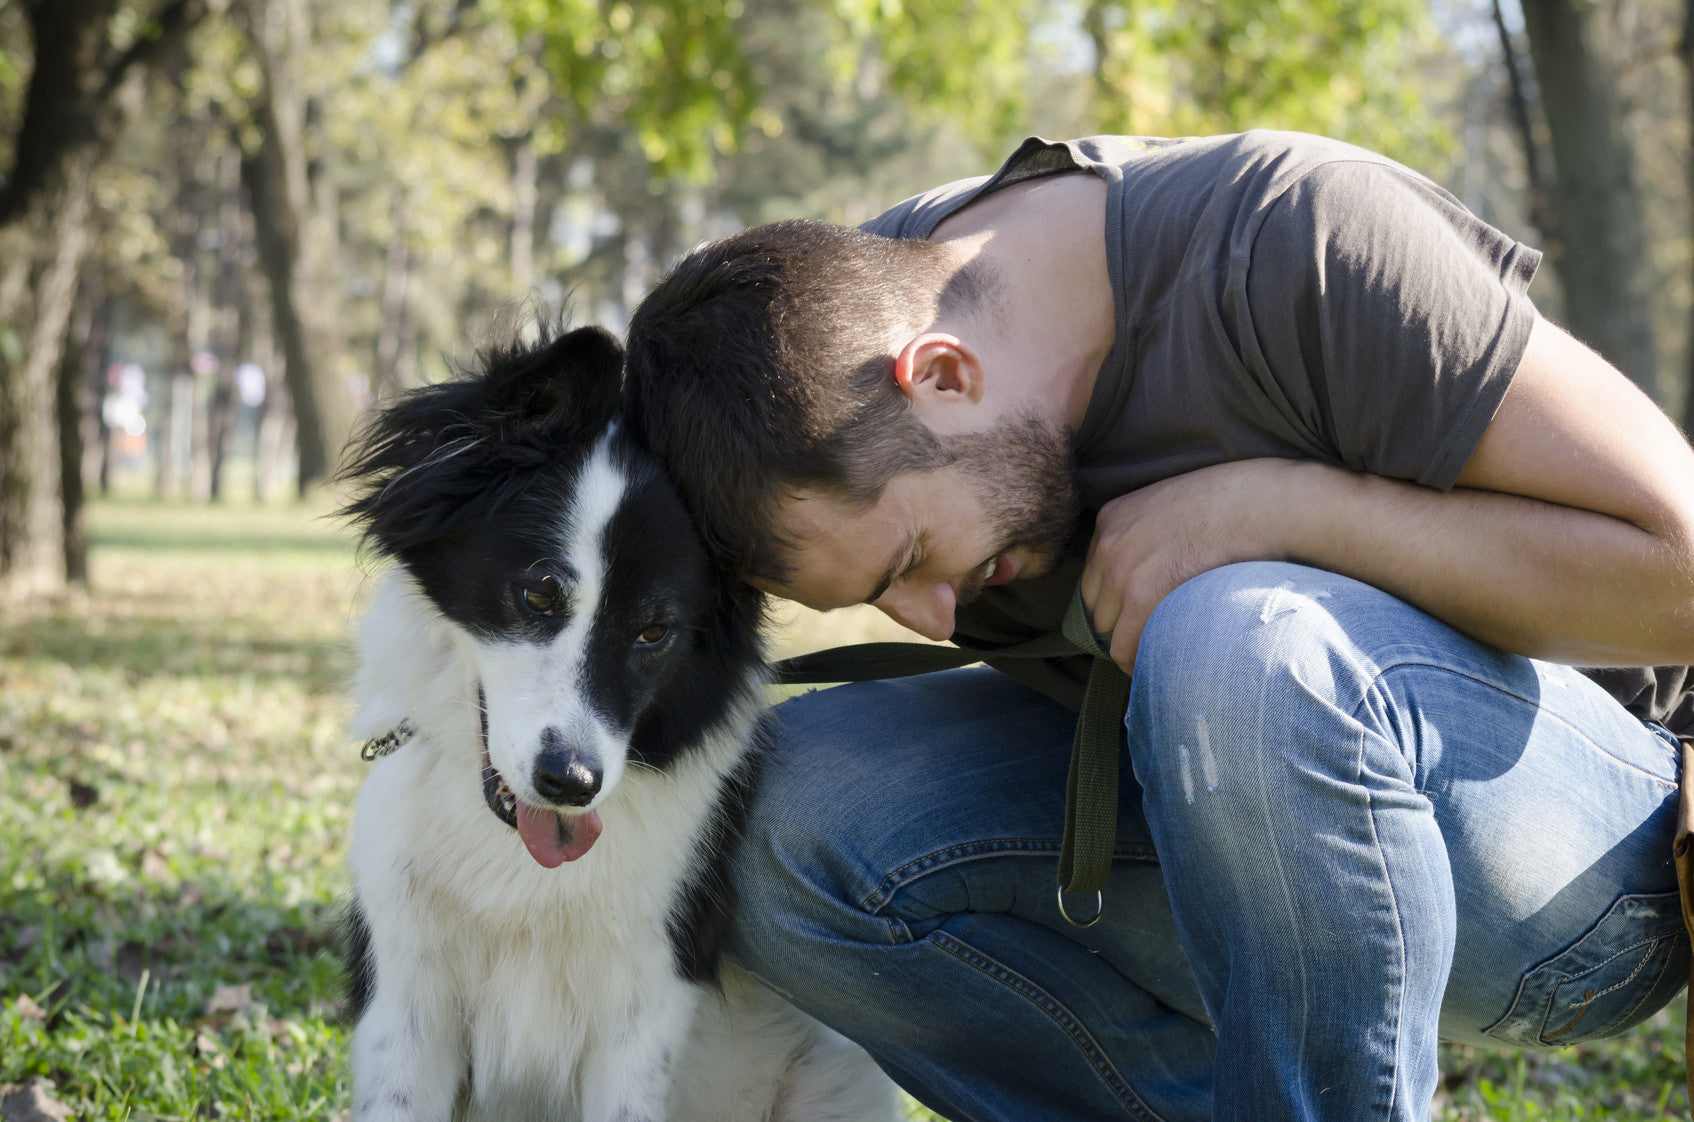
(1091, 788)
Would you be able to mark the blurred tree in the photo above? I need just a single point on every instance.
(294, 208)
(1342, 68)
(1595, 202)
(1685, 49)
(87, 59)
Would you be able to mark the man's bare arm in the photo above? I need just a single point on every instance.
(1570, 536)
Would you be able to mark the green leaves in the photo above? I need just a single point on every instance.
(1359, 72)
(672, 71)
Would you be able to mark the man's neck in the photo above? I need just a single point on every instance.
(1051, 322)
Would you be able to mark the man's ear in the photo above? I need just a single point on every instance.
(936, 372)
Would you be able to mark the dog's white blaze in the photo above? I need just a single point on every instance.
(599, 492)
(531, 688)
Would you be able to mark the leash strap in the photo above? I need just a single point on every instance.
(1091, 788)
(1683, 851)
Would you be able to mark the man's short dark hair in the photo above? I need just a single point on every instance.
(761, 365)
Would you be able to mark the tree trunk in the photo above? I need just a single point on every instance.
(1540, 211)
(1111, 98)
(81, 91)
(288, 240)
(1687, 50)
(84, 348)
(31, 530)
(523, 215)
(232, 334)
(392, 340)
(1601, 257)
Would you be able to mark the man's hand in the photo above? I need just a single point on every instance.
(1149, 541)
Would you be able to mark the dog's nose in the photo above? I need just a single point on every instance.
(563, 779)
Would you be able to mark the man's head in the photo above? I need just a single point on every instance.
(792, 378)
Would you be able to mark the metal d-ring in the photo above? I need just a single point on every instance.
(1099, 909)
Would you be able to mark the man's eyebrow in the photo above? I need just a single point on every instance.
(901, 556)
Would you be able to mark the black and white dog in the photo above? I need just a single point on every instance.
(567, 702)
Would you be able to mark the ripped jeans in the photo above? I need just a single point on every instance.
(1346, 833)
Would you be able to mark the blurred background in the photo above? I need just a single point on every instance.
(226, 226)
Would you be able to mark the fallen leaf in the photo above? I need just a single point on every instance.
(229, 999)
(153, 865)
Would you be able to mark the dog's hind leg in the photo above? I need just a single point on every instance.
(753, 1056)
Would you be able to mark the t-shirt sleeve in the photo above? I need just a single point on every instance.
(1382, 318)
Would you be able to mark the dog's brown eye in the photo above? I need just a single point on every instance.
(653, 635)
(541, 598)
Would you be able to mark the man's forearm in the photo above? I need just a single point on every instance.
(1525, 575)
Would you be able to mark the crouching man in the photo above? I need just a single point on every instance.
(1353, 514)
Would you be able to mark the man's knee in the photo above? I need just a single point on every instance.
(1236, 638)
(1245, 680)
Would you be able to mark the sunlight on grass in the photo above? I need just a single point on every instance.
(175, 790)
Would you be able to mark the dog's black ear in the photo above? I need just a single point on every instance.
(421, 460)
(567, 384)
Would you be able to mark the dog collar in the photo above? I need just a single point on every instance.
(379, 746)
(385, 745)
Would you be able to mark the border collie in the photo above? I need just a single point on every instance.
(566, 700)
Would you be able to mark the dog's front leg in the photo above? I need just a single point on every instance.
(408, 1059)
(627, 1075)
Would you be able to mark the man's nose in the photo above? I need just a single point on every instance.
(928, 609)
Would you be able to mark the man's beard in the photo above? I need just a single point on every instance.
(1028, 472)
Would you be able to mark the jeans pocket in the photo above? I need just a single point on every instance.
(1617, 975)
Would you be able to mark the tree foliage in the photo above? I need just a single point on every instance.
(1335, 67)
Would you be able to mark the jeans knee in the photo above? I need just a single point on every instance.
(1239, 631)
(1244, 674)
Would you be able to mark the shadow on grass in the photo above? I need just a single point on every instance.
(92, 946)
(128, 523)
(146, 646)
(177, 539)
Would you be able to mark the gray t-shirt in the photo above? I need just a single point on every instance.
(1276, 294)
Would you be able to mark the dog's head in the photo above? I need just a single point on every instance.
(574, 584)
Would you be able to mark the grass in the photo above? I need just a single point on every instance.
(175, 789)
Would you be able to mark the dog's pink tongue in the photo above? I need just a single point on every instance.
(553, 839)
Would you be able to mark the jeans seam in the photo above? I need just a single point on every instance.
(1648, 991)
(918, 867)
(1399, 927)
(1067, 1021)
(1646, 941)
(1591, 996)
(1426, 664)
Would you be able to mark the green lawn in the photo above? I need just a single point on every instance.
(175, 787)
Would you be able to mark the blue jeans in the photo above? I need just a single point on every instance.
(1346, 833)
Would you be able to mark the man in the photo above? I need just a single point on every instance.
(1350, 510)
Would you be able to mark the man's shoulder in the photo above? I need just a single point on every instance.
(1266, 159)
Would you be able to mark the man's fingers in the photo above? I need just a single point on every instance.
(1125, 640)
